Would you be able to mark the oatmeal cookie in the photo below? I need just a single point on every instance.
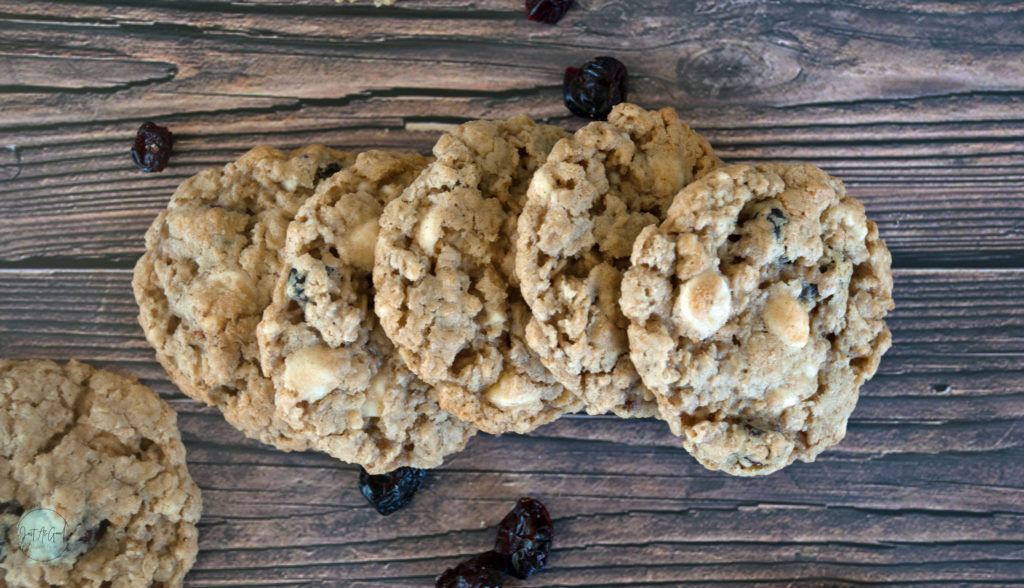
(338, 380)
(92, 470)
(756, 312)
(208, 273)
(583, 209)
(446, 292)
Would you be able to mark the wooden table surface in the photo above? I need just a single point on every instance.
(917, 106)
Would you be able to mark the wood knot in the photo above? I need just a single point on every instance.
(733, 68)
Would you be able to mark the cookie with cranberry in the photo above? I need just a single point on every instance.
(446, 291)
(94, 490)
(338, 381)
(584, 208)
(211, 262)
(756, 312)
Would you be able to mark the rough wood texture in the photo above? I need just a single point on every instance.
(917, 106)
(925, 488)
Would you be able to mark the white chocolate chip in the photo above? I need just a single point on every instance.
(704, 304)
(357, 245)
(493, 317)
(570, 289)
(234, 281)
(388, 191)
(542, 183)
(781, 399)
(786, 319)
(429, 230)
(372, 405)
(507, 392)
(855, 226)
(311, 373)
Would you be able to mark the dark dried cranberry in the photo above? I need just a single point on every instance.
(777, 218)
(547, 11)
(809, 292)
(482, 571)
(11, 507)
(92, 536)
(296, 287)
(391, 491)
(593, 89)
(524, 535)
(326, 172)
(152, 148)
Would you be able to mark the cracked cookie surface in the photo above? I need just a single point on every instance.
(208, 272)
(757, 311)
(338, 380)
(104, 453)
(584, 208)
(446, 291)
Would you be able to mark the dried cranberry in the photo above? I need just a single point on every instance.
(92, 536)
(777, 218)
(547, 11)
(809, 292)
(296, 287)
(391, 491)
(594, 88)
(482, 571)
(524, 535)
(11, 507)
(326, 172)
(152, 148)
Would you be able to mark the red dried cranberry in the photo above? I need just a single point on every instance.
(152, 148)
(524, 535)
(482, 571)
(547, 11)
(391, 491)
(594, 88)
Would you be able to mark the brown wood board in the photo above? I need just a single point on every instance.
(917, 106)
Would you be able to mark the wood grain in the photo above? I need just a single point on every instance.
(924, 489)
(917, 106)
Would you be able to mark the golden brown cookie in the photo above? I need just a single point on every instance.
(94, 490)
(756, 313)
(584, 208)
(209, 270)
(446, 292)
(338, 380)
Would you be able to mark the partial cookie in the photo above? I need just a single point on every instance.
(339, 382)
(209, 270)
(757, 312)
(446, 290)
(92, 472)
(584, 208)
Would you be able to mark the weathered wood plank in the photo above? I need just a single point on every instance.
(917, 106)
(87, 201)
(924, 489)
(956, 333)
